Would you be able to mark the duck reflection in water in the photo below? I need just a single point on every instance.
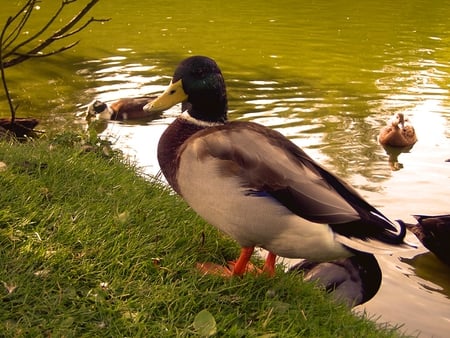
(352, 281)
(393, 154)
(433, 273)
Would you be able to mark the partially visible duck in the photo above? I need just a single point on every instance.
(434, 233)
(122, 109)
(398, 133)
(257, 186)
(353, 281)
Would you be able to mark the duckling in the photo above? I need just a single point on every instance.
(398, 133)
(352, 281)
(122, 109)
(434, 233)
(257, 186)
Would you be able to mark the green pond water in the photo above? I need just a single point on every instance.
(327, 74)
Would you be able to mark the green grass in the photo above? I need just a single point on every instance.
(88, 247)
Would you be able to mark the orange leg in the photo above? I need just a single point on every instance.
(241, 264)
(269, 265)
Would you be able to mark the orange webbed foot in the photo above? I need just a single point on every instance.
(214, 269)
(241, 266)
(209, 268)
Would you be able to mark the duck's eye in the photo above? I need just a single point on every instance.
(173, 91)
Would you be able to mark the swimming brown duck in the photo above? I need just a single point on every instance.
(434, 233)
(122, 109)
(398, 133)
(257, 186)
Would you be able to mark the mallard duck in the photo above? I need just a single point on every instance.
(122, 109)
(398, 133)
(434, 233)
(257, 186)
(352, 281)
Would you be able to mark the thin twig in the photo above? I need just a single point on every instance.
(2, 70)
(16, 57)
(26, 10)
(40, 54)
(55, 36)
(39, 32)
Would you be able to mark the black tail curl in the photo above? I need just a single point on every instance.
(399, 239)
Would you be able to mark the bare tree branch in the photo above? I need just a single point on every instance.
(38, 33)
(26, 10)
(57, 35)
(14, 26)
(40, 54)
(2, 70)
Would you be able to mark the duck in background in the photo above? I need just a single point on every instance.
(122, 109)
(352, 281)
(434, 233)
(398, 133)
(397, 137)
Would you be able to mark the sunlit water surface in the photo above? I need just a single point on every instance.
(327, 75)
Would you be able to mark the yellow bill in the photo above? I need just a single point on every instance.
(173, 94)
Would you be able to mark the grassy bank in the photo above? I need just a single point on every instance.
(90, 248)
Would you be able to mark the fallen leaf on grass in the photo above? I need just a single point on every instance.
(205, 324)
(41, 273)
(123, 217)
(9, 287)
(3, 166)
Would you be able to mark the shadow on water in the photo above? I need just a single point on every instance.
(433, 271)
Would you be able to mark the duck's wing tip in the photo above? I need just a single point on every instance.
(374, 246)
